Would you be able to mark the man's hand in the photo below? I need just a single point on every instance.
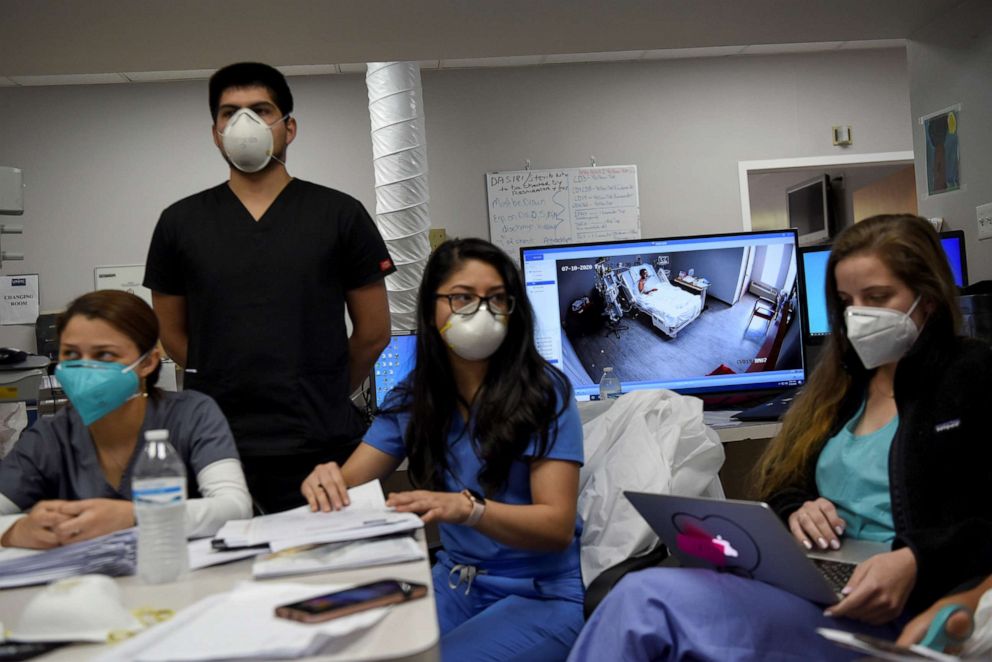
(91, 518)
(36, 530)
(879, 588)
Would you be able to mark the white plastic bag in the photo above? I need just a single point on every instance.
(647, 441)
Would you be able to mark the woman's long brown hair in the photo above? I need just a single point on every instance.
(910, 248)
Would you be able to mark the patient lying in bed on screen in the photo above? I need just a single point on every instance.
(644, 284)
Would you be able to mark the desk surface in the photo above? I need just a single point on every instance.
(593, 408)
(408, 632)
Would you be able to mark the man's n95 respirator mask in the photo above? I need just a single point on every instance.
(247, 140)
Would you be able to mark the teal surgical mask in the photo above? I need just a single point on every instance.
(96, 388)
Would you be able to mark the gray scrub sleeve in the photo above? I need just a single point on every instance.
(25, 473)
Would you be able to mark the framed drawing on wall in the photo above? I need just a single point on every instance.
(940, 133)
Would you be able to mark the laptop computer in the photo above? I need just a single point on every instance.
(748, 539)
(770, 410)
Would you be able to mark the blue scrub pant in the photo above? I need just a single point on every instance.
(692, 614)
(507, 618)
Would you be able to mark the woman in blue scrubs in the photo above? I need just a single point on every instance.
(494, 444)
(68, 478)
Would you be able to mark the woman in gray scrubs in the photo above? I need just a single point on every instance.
(68, 478)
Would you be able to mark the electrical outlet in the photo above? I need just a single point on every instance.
(984, 213)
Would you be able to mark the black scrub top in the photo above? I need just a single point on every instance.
(265, 309)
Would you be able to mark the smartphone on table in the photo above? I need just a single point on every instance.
(351, 600)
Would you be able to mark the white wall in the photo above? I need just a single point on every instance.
(102, 161)
(950, 62)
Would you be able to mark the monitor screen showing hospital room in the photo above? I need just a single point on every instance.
(706, 314)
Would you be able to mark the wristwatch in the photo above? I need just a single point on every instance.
(478, 507)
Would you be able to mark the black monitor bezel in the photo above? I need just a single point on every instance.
(808, 338)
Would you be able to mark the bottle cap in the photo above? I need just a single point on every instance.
(157, 435)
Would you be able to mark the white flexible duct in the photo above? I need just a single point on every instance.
(402, 198)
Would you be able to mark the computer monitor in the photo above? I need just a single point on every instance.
(394, 364)
(704, 314)
(808, 209)
(813, 284)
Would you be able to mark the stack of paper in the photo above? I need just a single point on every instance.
(366, 517)
(338, 556)
(203, 555)
(113, 554)
(241, 624)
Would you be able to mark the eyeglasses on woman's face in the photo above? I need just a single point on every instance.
(466, 303)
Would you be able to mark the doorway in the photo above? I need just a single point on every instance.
(861, 185)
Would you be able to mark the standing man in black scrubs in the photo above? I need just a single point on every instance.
(250, 281)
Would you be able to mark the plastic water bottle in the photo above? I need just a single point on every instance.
(609, 385)
(159, 492)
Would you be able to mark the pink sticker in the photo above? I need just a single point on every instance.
(702, 547)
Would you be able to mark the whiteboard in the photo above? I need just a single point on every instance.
(125, 277)
(562, 206)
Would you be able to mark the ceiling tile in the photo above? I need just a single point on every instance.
(873, 43)
(309, 69)
(70, 79)
(352, 68)
(775, 49)
(682, 53)
(478, 62)
(610, 56)
(162, 76)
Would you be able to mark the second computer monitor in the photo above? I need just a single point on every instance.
(816, 325)
(394, 364)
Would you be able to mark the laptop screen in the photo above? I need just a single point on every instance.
(394, 364)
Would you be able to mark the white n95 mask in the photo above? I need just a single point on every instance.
(477, 336)
(880, 335)
(247, 140)
(84, 608)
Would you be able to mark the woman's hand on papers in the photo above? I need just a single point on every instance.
(36, 530)
(91, 518)
(450, 507)
(325, 488)
(878, 589)
(817, 520)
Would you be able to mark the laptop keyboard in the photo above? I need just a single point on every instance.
(836, 572)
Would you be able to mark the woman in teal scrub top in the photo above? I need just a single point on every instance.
(889, 441)
(494, 444)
